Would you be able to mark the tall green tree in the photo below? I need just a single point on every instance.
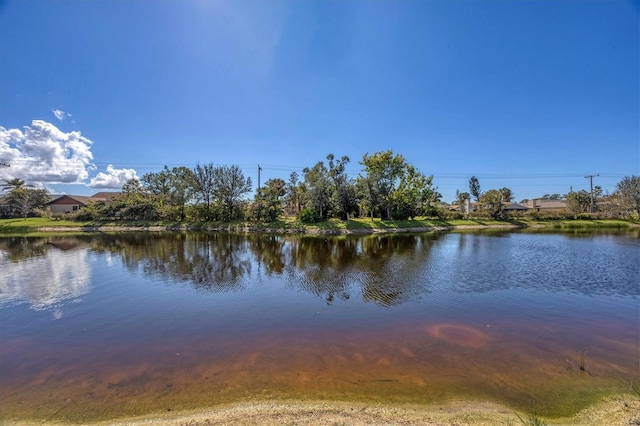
(343, 194)
(183, 188)
(132, 187)
(267, 203)
(462, 198)
(383, 171)
(318, 190)
(23, 201)
(628, 190)
(229, 187)
(159, 183)
(205, 188)
(173, 189)
(292, 194)
(491, 203)
(579, 201)
(507, 195)
(414, 194)
(474, 188)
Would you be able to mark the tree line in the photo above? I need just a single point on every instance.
(389, 188)
(624, 202)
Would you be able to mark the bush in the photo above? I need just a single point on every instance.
(451, 215)
(308, 216)
(548, 215)
(57, 216)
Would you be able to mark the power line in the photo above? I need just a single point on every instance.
(282, 167)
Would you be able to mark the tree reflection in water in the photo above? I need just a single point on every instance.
(212, 262)
(380, 267)
(384, 269)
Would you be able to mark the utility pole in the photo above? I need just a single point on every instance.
(259, 170)
(590, 177)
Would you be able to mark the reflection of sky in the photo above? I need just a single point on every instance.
(45, 282)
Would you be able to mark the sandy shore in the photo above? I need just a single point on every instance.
(611, 411)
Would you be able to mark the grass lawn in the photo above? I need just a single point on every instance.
(8, 226)
(580, 224)
(31, 225)
(377, 223)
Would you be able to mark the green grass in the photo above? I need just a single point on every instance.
(377, 223)
(578, 224)
(288, 224)
(32, 224)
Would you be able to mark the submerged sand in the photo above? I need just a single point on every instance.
(611, 411)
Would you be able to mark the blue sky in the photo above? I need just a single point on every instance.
(532, 95)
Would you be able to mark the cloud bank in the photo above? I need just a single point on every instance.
(41, 154)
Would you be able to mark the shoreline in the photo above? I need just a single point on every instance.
(267, 230)
(288, 226)
(312, 231)
(623, 409)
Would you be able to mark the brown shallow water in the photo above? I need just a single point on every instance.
(170, 348)
(408, 364)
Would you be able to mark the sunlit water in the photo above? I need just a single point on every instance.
(105, 326)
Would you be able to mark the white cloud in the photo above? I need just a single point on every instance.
(43, 154)
(60, 115)
(113, 179)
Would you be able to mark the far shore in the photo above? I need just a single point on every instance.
(289, 226)
(270, 230)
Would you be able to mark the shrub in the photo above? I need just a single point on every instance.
(308, 215)
(451, 215)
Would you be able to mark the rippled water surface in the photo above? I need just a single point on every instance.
(103, 326)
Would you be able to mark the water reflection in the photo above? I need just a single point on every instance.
(43, 273)
(217, 262)
(383, 269)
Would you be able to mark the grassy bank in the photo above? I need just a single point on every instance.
(291, 225)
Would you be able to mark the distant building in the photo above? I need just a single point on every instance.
(470, 207)
(541, 204)
(73, 203)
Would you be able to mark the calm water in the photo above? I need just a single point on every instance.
(102, 326)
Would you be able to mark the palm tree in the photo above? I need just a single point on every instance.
(507, 195)
(13, 184)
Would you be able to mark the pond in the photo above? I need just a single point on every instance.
(97, 327)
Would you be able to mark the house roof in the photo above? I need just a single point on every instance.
(514, 206)
(106, 195)
(74, 199)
